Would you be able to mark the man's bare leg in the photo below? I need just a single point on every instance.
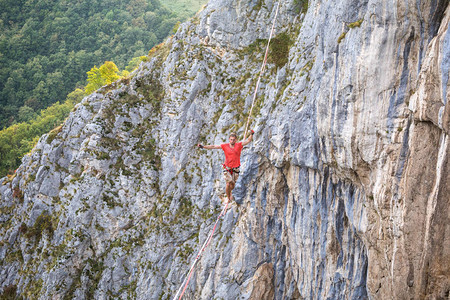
(228, 189)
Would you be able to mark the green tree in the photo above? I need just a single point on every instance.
(26, 113)
(75, 96)
(98, 77)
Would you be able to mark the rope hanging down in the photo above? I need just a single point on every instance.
(185, 283)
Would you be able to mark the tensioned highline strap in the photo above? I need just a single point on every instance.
(188, 277)
(263, 67)
(184, 285)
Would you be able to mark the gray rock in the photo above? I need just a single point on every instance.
(343, 192)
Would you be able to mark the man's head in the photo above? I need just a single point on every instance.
(233, 138)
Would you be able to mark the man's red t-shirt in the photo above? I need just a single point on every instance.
(232, 155)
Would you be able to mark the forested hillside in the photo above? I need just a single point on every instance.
(183, 8)
(46, 47)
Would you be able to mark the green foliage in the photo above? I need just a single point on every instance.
(307, 67)
(14, 256)
(175, 28)
(9, 293)
(111, 201)
(134, 63)
(184, 8)
(43, 223)
(33, 289)
(350, 26)
(75, 96)
(257, 46)
(341, 37)
(94, 275)
(76, 282)
(301, 6)
(258, 5)
(46, 47)
(149, 153)
(98, 77)
(356, 24)
(26, 113)
(19, 139)
(185, 252)
(279, 49)
(52, 134)
(185, 210)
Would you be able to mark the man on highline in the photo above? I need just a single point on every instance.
(232, 163)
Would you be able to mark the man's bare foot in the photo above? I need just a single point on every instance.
(223, 199)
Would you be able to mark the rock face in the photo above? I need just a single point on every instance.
(344, 192)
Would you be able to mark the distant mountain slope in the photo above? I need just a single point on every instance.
(184, 7)
(46, 47)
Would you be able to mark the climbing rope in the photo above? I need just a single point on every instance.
(263, 67)
(188, 277)
(185, 283)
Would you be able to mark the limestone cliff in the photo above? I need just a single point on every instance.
(343, 194)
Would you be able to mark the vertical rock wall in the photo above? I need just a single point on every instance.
(343, 193)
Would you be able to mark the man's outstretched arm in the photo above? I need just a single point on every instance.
(209, 146)
(249, 139)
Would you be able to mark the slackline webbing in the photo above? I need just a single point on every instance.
(188, 277)
(263, 67)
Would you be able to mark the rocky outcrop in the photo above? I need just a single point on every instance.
(343, 193)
